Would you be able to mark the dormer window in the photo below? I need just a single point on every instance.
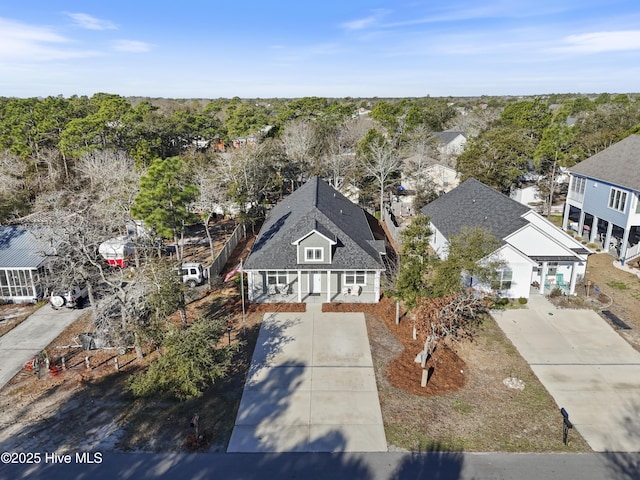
(314, 254)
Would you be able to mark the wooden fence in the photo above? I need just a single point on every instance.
(392, 226)
(222, 257)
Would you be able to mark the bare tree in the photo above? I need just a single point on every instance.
(298, 139)
(212, 195)
(380, 162)
(447, 319)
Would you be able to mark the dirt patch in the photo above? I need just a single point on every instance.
(12, 315)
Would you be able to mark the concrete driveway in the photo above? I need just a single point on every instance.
(311, 387)
(30, 337)
(586, 366)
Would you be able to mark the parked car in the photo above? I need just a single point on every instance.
(193, 274)
(72, 298)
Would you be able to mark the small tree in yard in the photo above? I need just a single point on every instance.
(415, 261)
(447, 319)
(192, 360)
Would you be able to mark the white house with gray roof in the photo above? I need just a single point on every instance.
(315, 246)
(451, 142)
(603, 202)
(22, 265)
(538, 256)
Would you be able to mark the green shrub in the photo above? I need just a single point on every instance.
(522, 301)
(556, 292)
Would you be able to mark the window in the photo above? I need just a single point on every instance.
(15, 283)
(506, 276)
(617, 199)
(355, 278)
(276, 278)
(578, 185)
(314, 254)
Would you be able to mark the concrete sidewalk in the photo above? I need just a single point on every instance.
(30, 337)
(311, 387)
(586, 366)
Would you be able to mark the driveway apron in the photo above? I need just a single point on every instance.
(590, 371)
(19, 345)
(310, 388)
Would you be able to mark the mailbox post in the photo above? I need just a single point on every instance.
(566, 425)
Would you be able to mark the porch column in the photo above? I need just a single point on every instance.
(376, 286)
(328, 286)
(607, 239)
(572, 282)
(33, 284)
(581, 223)
(624, 245)
(543, 277)
(594, 230)
(250, 284)
(565, 216)
(299, 286)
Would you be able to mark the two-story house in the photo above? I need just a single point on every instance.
(315, 246)
(603, 204)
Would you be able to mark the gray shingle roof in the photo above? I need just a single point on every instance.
(19, 248)
(448, 135)
(316, 205)
(474, 204)
(619, 164)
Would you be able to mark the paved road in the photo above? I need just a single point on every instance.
(311, 387)
(30, 337)
(360, 466)
(587, 368)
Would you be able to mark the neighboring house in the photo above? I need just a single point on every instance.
(443, 177)
(315, 246)
(451, 142)
(22, 265)
(603, 200)
(537, 254)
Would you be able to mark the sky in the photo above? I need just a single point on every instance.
(328, 48)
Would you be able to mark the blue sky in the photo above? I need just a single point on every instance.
(327, 48)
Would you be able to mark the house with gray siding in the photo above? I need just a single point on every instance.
(22, 265)
(315, 246)
(603, 201)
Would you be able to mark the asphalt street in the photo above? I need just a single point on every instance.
(374, 466)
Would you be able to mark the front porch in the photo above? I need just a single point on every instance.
(315, 286)
(620, 242)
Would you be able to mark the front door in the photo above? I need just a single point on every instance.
(315, 283)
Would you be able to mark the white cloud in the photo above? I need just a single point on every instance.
(598, 42)
(29, 43)
(89, 22)
(365, 22)
(132, 46)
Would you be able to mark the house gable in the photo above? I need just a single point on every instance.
(314, 248)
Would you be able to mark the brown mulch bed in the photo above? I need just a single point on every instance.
(403, 372)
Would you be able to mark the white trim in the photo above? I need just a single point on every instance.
(615, 198)
(296, 242)
(355, 279)
(315, 249)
